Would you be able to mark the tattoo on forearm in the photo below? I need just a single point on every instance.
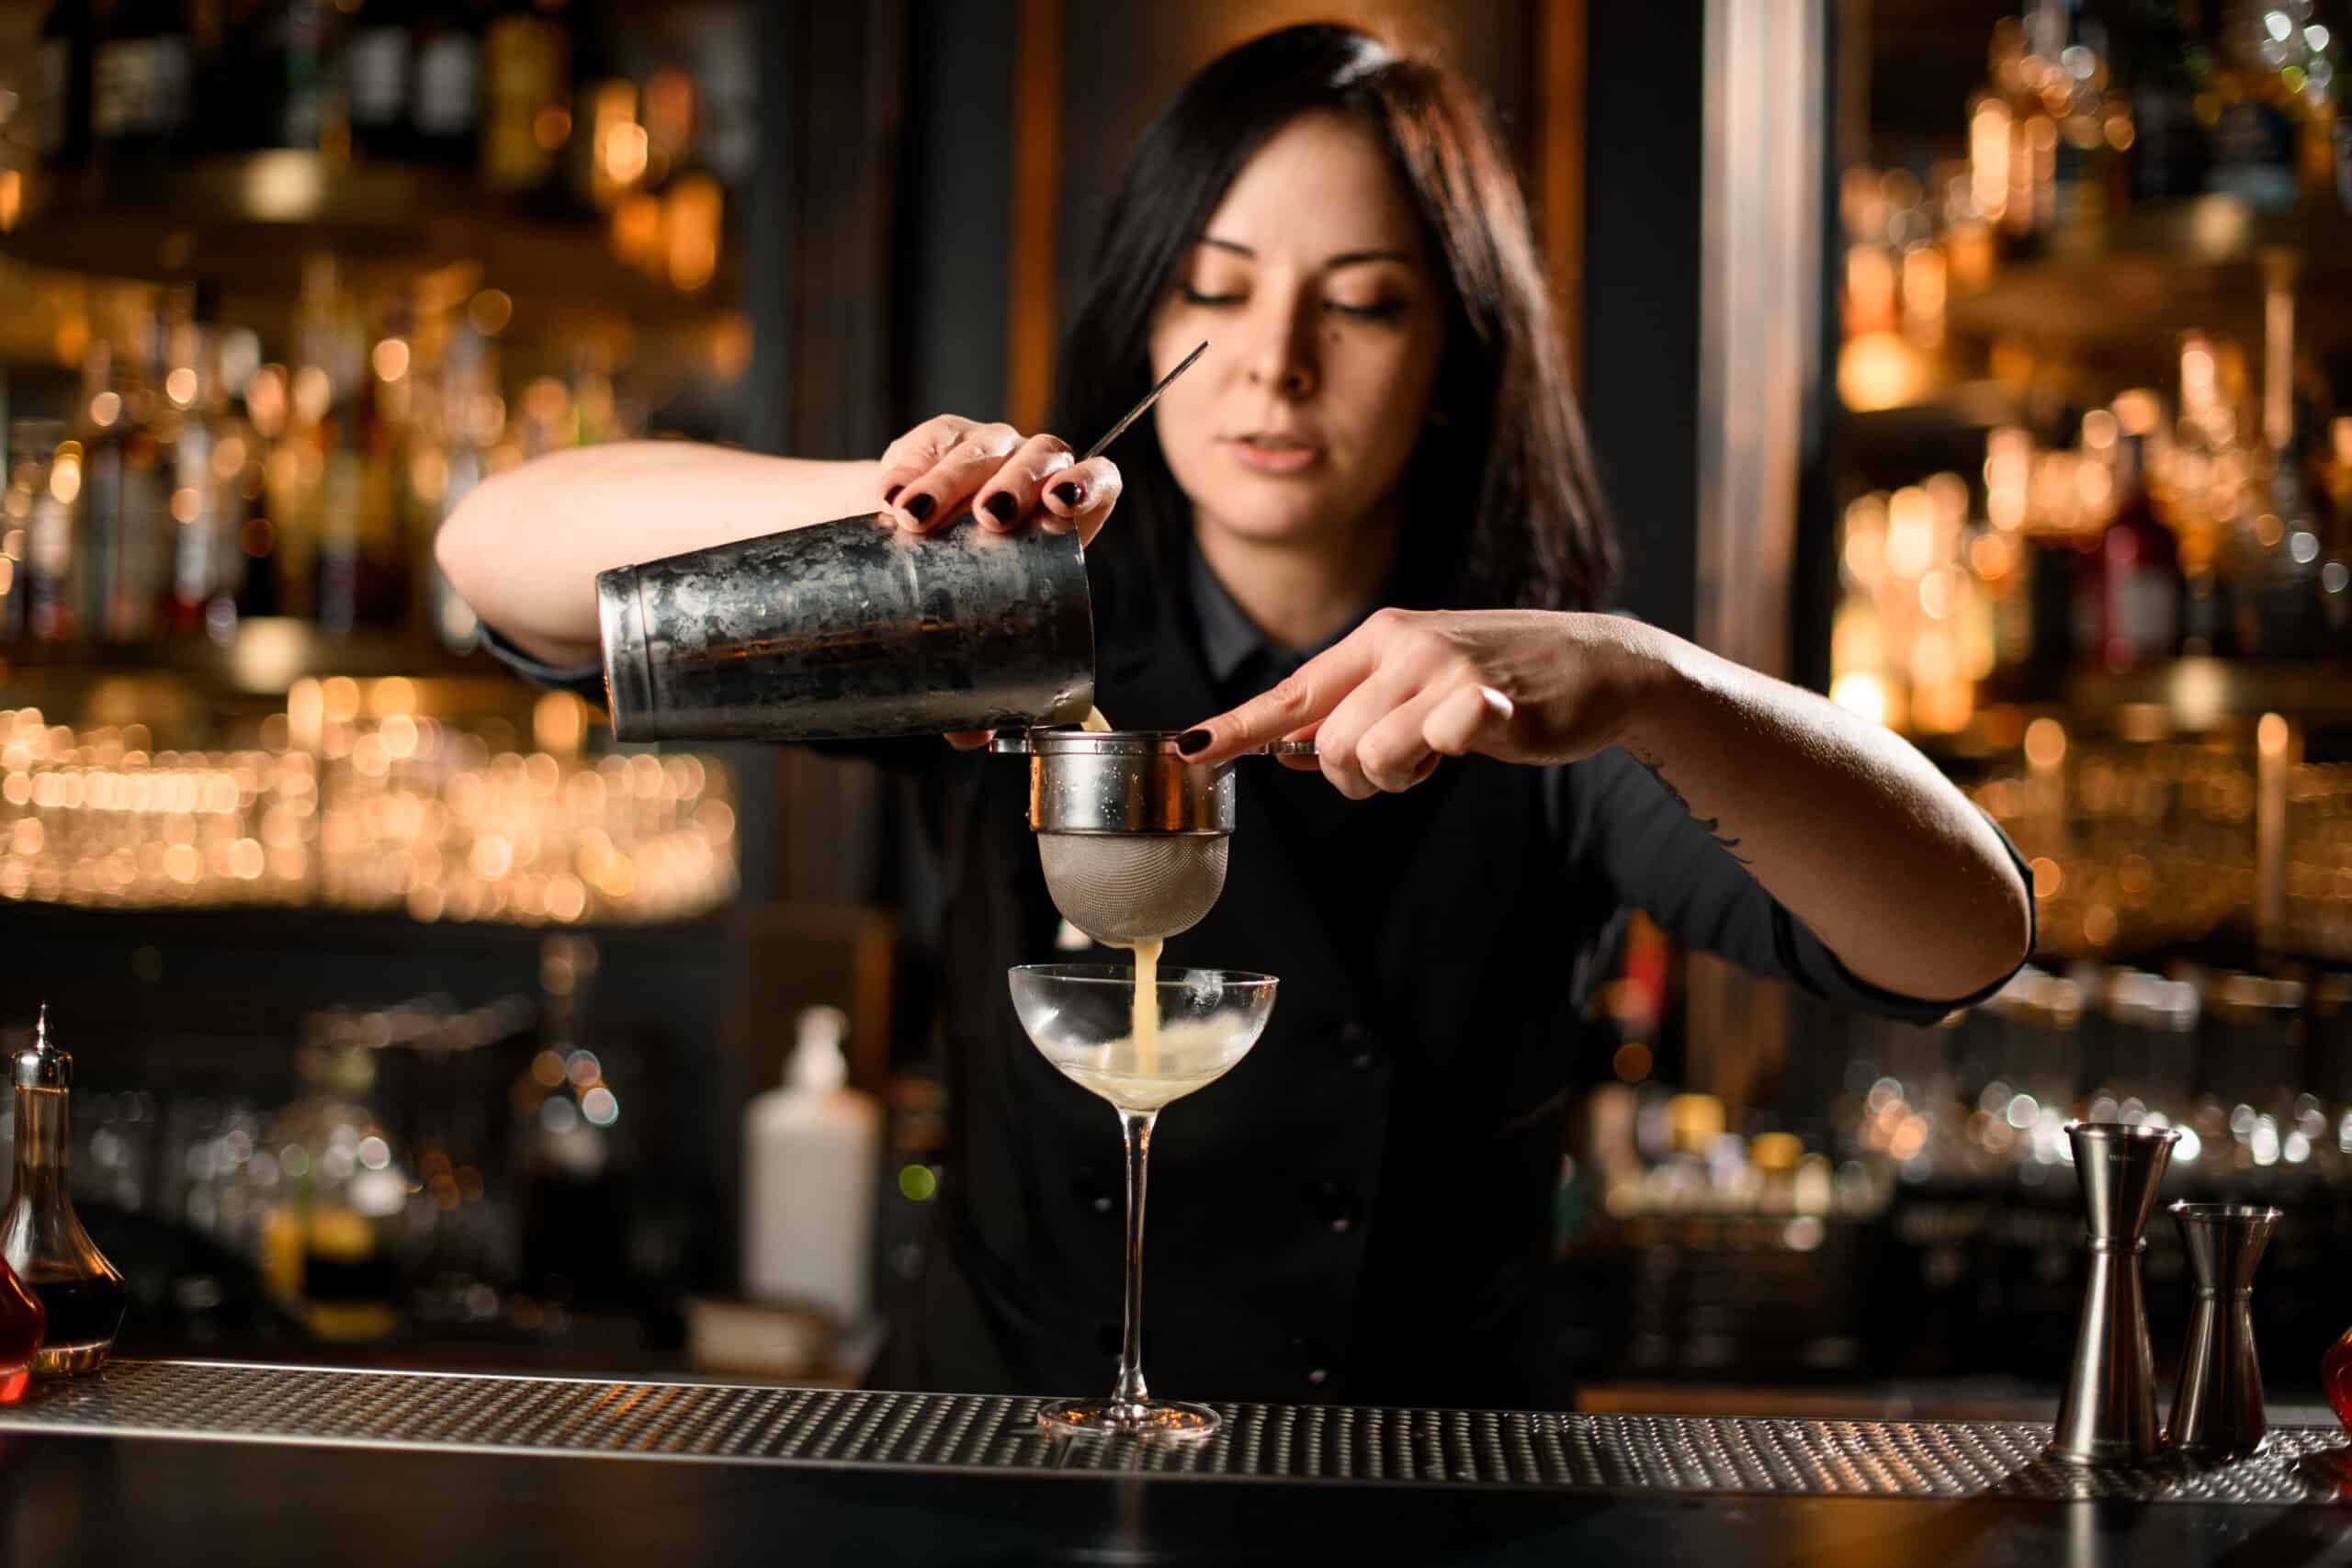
(1710, 826)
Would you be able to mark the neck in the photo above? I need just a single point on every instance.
(1300, 591)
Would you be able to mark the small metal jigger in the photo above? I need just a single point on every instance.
(2108, 1410)
(2217, 1408)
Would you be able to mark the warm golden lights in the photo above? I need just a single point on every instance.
(356, 800)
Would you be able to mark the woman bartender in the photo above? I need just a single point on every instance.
(1366, 515)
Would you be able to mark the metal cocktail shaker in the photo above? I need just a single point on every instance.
(2109, 1408)
(2217, 1408)
(851, 629)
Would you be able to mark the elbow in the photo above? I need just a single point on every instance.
(465, 542)
(2009, 923)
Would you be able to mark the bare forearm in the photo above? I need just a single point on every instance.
(524, 549)
(1846, 824)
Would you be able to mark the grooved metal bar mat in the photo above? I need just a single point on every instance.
(1268, 1442)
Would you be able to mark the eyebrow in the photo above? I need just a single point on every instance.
(1345, 258)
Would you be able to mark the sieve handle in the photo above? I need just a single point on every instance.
(1014, 742)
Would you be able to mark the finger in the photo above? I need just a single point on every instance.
(1391, 689)
(1468, 720)
(1299, 699)
(969, 739)
(1395, 754)
(1082, 497)
(931, 499)
(1012, 491)
(915, 454)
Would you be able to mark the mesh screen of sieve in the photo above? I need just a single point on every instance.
(1128, 888)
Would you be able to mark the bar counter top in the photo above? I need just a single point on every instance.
(193, 1463)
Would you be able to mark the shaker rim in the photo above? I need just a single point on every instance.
(2225, 1213)
(2123, 1133)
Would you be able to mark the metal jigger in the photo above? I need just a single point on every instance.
(2217, 1408)
(2108, 1411)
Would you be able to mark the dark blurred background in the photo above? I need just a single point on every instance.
(1978, 363)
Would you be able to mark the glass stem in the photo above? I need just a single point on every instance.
(1134, 1127)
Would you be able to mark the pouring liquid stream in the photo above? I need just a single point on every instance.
(1144, 1025)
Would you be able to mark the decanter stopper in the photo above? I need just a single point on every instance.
(80, 1294)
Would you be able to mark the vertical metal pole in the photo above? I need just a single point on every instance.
(1761, 187)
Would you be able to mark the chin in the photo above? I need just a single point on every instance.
(1271, 511)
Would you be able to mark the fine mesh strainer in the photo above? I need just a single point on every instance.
(1133, 835)
(1122, 888)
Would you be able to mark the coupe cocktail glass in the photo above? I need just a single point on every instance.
(1086, 1019)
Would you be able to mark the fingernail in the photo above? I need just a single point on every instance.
(1002, 506)
(1193, 741)
(1068, 494)
(919, 505)
(891, 495)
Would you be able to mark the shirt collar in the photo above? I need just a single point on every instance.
(1230, 639)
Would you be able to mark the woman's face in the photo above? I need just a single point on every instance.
(1314, 285)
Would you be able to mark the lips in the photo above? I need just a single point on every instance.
(1274, 452)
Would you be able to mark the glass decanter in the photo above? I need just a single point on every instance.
(21, 1322)
(80, 1293)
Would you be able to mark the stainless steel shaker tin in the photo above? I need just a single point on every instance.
(1123, 781)
(851, 629)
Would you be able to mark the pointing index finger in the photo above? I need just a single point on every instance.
(1300, 699)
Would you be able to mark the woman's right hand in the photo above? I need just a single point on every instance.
(948, 463)
(945, 464)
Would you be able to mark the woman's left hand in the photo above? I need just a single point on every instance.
(1409, 687)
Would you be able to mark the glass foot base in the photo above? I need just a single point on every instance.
(1157, 1420)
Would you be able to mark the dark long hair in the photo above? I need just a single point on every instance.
(1506, 429)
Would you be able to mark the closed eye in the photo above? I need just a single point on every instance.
(1194, 297)
(1380, 311)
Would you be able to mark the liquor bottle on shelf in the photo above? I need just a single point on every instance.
(195, 599)
(465, 372)
(2286, 587)
(378, 68)
(693, 199)
(2012, 138)
(606, 158)
(2340, 118)
(2130, 587)
(142, 81)
(51, 592)
(274, 493)
(120, 498)
(2169, 69)
(63, 131)
(2258, 138)
(288, 100)
(2083, 164)
(446, 92)
(527, 64)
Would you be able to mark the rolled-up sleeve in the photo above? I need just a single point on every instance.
(1622, 823)
(582, 680)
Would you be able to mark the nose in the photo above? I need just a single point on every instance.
(1281, 349)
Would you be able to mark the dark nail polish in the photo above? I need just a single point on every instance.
(919, 505)
(1193, 741)
(890, 496)
(1002, 507)
(1068, 494)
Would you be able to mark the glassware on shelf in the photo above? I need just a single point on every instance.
(1090, 1023)
(82, 1294)
(365, 801)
